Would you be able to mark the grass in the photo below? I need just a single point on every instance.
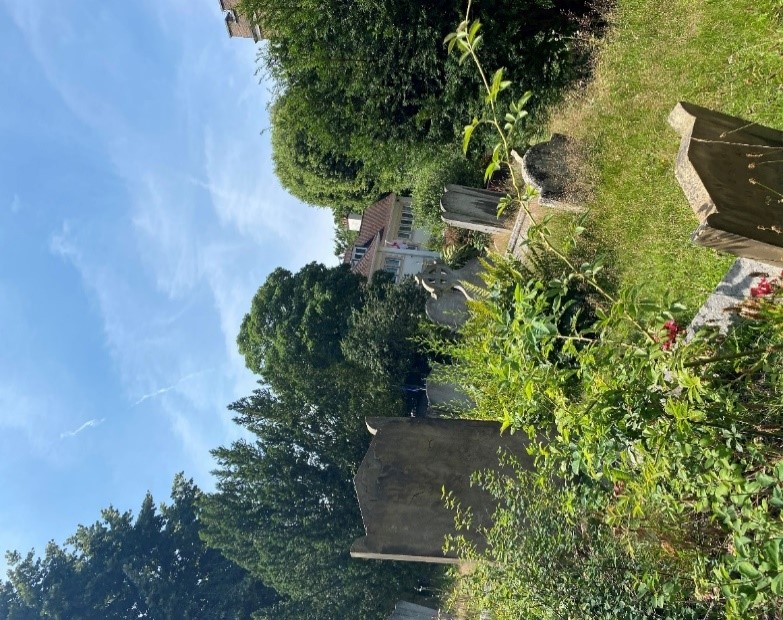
(723, 54)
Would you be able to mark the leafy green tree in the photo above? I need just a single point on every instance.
(313, 160)
(367, 90)
(296, 323)
(285, 508)
(343, 239)
(153, 566)
(12, 607)
(382, 334)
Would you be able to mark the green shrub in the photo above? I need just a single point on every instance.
(678, 446)
(540, 565)
(428, 184)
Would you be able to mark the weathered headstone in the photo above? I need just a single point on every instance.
(472, 208)
(399, 484)
(449, 309)
(445, 398)
(449, 291)
(730, 172)
(549, 168)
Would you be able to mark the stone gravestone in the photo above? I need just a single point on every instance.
(445, 398)
(728, 170)
(549, 168)
(399, 483)
(447, 304)
(472, 208)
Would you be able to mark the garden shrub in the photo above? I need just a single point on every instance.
(540, 565)
(429, 182)
(676, 446)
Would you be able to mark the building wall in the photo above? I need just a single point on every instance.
(239, 25)
(409, 265)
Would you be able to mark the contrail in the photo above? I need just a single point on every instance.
(170, 387)
(83, 427)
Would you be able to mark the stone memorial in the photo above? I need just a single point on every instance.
(473, 209)
(399, 484)
(549, 168)
(449, 291)
(444, 398)
(731, 173)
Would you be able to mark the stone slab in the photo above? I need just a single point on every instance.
(399, 483)
(472, 208)
(728, 169)
(718, 311)
(447, 397)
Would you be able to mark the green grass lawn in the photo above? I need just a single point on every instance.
(722, 54)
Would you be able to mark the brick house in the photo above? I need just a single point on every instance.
(387, 240)
(238, 24)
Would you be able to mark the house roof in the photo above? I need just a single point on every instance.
(374, 220)
(364, 266)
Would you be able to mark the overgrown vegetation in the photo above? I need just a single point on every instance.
(541, 565)
(674, 445)
(367, 94)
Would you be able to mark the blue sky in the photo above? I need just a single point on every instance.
(138, 215)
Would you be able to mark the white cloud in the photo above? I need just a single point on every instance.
(62, 245)
(205, 219)
(88, 424)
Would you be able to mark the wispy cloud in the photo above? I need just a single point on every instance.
(88, 424)
(168, 388)
(16, 204)
(202, 219)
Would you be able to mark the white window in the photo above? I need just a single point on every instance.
(358, 253)
(392, 264)
(406, 223)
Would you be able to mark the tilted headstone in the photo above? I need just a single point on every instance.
(399, 484)
(473, 209)
(728, 170)
(449, 309)
(444, 397)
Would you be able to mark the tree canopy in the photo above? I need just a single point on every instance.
(381, 336)
(285, 508)
(367, 91)
(332, 351)
(296, 322)
(153, 566)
